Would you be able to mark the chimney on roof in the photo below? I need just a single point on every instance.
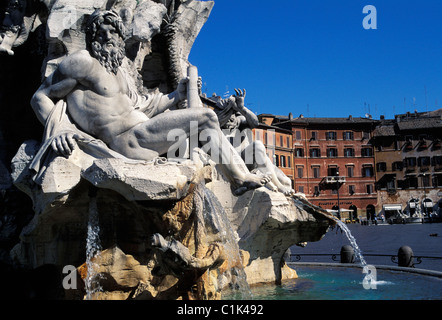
(290, 116)
(350, 117)
(382, 117)
(301, 116)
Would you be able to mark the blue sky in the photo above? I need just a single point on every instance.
(315, 58)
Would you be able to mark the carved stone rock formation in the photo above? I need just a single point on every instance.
(135, 204)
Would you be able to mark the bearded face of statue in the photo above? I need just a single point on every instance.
(108, 47)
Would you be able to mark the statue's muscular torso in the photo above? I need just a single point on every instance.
(99, 103)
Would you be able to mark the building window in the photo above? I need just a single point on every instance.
(365, 135)
(315, 153)
(276, 160)
(314, 135)
(298, 135)
(316, 172)
(423, 161)
(300, 172)
(332, 152)
(348, 135)
(317, 191)
(351, 189)
(333, 171)
(423, 141)
(330, 135)
(288, 142)
(265, 138)
(367, 171)
(411, 182)
(401, 184)
(350, 171)
(410, 162)
(282, 161)
(391, 185)
(437, 144)
(425, 180)
(397, 166)
(299, 152)
(289, 162)
(349, 152)
(281, 141)
(301, 189)
(369, 188)
(381, 167)
(437, 161)
(367, 152)
(437, 180)
(408, 146)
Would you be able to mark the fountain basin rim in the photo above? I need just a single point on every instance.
(425, 272)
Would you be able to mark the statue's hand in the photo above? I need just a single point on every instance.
(182, 89)
(239, 99)
(65, 143)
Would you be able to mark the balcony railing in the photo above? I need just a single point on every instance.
(333, 179)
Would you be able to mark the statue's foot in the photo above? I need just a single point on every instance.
(288, 192)
(272, 186)
(250, 182)
(300, 196)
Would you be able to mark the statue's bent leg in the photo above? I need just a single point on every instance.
(155, 133)
(263, 164)
(153, 136)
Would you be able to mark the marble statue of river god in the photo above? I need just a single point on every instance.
(101, 103)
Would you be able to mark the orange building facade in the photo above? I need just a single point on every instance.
(332, 161)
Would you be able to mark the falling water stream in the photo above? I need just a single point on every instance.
(217, 219)
(93, 249)
(357, 251)
(353, 243)
(309, 207)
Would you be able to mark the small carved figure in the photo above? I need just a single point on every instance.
(235, 117)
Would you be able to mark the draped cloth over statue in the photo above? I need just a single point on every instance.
(58, 123)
